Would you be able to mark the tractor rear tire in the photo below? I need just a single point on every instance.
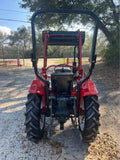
(34, 120)
(91, 119)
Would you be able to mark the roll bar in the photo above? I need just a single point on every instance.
(93, 56)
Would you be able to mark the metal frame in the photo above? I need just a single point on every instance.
(47, 35)
(93, 56)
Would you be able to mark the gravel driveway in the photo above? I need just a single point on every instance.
(63, 145)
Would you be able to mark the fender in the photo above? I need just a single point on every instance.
(88, 88)
(37, 87)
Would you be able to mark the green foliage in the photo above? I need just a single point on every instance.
(1, 36)
(110, 54)
(39, 46)
(20, 37)
(19, 40)
(60, 51)
(53, 51)
(106, 10)
(12, 52)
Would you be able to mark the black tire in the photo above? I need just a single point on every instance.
(91, 119)
(34, 120)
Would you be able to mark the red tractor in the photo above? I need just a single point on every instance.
(66, 92)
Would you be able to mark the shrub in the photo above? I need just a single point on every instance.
(110, 54)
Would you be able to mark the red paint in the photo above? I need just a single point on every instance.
(43, 109)
(73, 93)
(80, 50)
(37, 87)
(18, 62)
(46, 35)
(88, 88)
(67, 60)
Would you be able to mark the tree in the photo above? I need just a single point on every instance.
(20, 38)
(106, 10)
(3, 38)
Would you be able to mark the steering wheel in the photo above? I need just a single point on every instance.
(62, 65)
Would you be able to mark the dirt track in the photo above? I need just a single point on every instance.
(63, 145)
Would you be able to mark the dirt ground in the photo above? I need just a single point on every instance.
(63, 145)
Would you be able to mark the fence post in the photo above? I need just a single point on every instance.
(67, 60)
(5, 64)
(18, 62)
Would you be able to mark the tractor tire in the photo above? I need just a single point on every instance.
(34, 120)
(91, 119)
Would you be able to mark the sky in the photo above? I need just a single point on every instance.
(10, 9)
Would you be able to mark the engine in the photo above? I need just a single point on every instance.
(62, 104)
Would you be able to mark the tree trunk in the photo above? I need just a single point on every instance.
(105, 31)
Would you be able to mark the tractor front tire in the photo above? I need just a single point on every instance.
(91, 119)
(34, 120)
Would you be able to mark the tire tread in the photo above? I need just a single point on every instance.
(32, 118)
(91, 118)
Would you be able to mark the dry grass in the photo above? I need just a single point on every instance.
(104, 148)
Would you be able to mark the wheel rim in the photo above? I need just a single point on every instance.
(42, 116)
(81, 118)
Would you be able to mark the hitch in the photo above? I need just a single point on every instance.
(75, 125)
